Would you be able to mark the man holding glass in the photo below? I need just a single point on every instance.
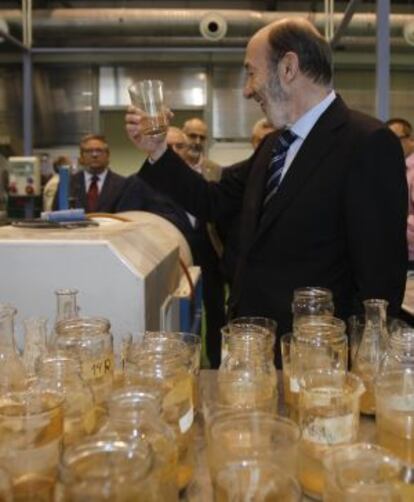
(322, 203)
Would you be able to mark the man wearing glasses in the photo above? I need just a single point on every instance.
(96, 188)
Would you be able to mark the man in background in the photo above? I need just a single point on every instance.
(404, 132)
(196, 131)
(203, 242)
(95, 188)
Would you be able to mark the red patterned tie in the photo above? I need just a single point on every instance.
(93, 194)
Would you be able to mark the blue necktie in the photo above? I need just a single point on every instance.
(275, 169)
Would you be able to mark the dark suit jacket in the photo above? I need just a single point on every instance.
(109, 196)
(338, 219)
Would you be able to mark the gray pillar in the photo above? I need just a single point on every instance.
(382, 96)
(27, 103)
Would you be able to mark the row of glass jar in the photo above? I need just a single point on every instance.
(66, 399)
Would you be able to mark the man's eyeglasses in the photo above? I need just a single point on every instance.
(179, 146)
(193, 135)
(91, 151)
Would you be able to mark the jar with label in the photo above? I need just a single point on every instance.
(12, 370)
(399, 353)
(167, 366)
(362, 472)
(137, 414)
(311, 301)
(63, 374)
(90, 340)
(328, 416)
(247, 376)
(371, 350)
(318, 342)
(107, 467)
(252, 435)
(394, 392)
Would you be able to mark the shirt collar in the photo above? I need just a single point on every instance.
(101, 176)
(303, 126)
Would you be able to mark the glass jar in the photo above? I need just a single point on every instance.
(361, 472)
(247, 376)
(394, 392)
(399, 352)
(371, 350)
(90, 340)
(328, 415)
(166, 365)
(251, 436)
(107, 467)
(35, 344)
(12, 371)
(318, 342)
(259, 327)
(31, 424)
(63, 374)
(137, 414)
(311, 301)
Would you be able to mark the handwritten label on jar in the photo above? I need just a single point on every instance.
(93, 369)
(186, 421)
(329, 431)
(294, 384)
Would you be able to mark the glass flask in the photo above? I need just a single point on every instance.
(35, 344)
(247, 376)
(107, 467)
(31, 424)
(252, 436)
(90, 340)
(63, 374)
(166, 365)
(318, 342)
(329, 415)
(66, 308)
(399, 352)
(12, 371)
(137, 414)
(394, 392)
(361, 472)
(311, 301)
(371, 350)
(261, 327)
(256, 480)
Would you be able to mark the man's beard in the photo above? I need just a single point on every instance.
(276, 100)
(195, 151)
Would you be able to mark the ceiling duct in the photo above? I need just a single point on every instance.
(130, 27)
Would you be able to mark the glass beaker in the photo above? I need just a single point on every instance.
(257, 480)
(371, 350)
(166, 365)
(90, 340)
(311, 301)
(31, 424)
(329, 415)
(361, 472)
(108, 467)
(63, 374)
(148, 96)
(252, 435)
(247, 376)
(394, 392)
(137, 414)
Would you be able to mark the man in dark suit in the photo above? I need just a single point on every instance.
(323, 203)
(96, 188)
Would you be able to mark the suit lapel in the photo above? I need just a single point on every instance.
(320, 141)
(105, 194)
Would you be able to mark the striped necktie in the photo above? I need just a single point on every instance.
(277, 162)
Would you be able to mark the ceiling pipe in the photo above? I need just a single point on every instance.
(73, 27)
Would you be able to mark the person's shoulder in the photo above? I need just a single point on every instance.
(115, 176)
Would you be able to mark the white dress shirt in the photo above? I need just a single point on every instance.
(101, 179)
